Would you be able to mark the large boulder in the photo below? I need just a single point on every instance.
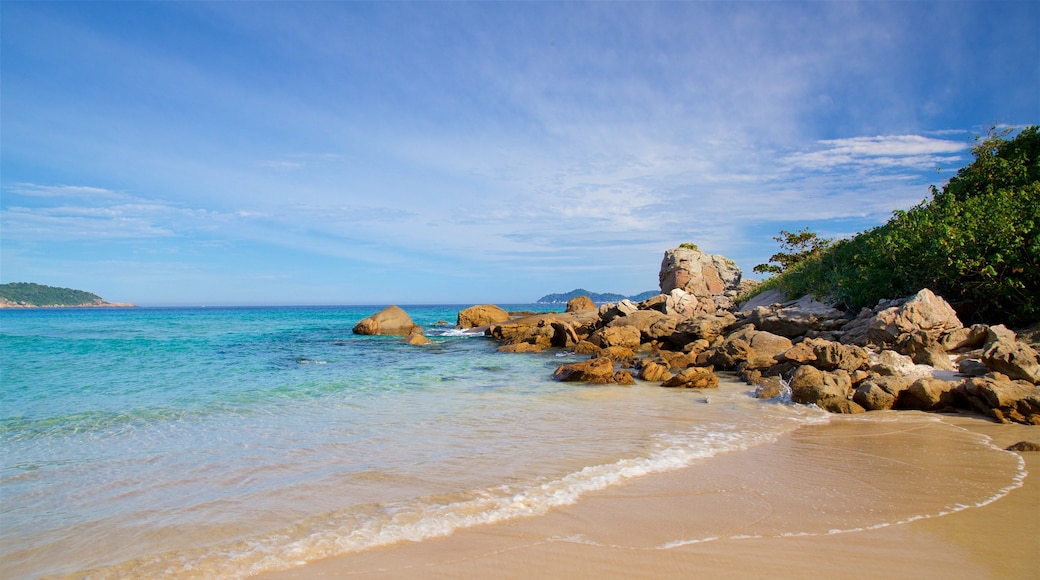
(654, 372)
(1011, 357)
(928, 394)
(1003, 399)
(755, 348)
(620, 335)
(481, 315)
(390, 321)
(811, 385)
(923, 311)
(697, 273)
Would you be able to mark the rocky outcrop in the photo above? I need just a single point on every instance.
(481, 315)
(909, 353)
(697, 273)
(390, 321)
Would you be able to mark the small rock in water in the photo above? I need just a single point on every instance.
(1024, 446)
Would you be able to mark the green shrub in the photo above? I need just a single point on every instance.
(976, 243)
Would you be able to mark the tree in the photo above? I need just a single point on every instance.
(799, 246)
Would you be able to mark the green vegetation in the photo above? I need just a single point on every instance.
(690, 246)
(29, 294)
(976, 243)
(799, 246)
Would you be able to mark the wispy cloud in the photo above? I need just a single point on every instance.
(883, 152)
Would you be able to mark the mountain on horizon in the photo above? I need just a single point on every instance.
(596, 297)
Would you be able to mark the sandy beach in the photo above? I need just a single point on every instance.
(891, 495)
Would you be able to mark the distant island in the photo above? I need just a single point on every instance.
(31, 295)
(595, 296)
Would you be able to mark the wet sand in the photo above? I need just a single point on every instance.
(898, 495)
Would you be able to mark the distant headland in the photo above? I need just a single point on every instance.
(596, 297)
(31, 295)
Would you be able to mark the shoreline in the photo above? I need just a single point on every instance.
(749, 498)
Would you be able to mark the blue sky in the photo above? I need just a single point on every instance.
(373, 153)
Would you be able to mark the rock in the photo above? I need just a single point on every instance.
(770, 388)
(890, 363)
(965, 338)
(1004, 399)
(697, 273)
(811, 385)
(872, 397)
(617, 353)
(585, 347)
(924, 349)
(840, 405)
(685, 305)
(928, 395)
(481, 315)
(923, 311)
(627, 336)
(972, 367)
(390, 321)
(826, 355)
(536, 330)
(1024, 446)
(703, 327)
(654, 372)
(694, 378)
(596, 371)
(1012, 358)
(795, 318)
(416, 338)
(650, 324)
(580, 303)
(624, 378)
(746, 345)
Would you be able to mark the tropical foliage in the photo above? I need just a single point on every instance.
(976, 242)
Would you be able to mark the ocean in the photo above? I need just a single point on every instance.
(227, 442)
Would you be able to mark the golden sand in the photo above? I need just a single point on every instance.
(887, 496)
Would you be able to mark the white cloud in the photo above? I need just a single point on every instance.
(890, 151)
(71, 191)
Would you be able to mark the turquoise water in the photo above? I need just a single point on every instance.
(226, 442)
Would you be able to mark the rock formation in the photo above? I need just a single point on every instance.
(697, 273)
(907, 353)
